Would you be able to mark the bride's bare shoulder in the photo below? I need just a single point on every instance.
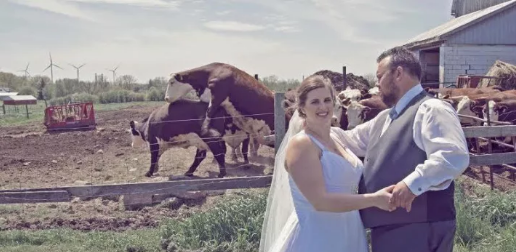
(299, 142)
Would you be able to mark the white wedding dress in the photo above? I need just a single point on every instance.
(309, 230)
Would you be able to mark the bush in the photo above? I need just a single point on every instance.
(82, 97)
(155, 95)
(120, 96)
(28, 91)
(232, 225)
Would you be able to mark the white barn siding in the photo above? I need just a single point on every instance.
(471, 59)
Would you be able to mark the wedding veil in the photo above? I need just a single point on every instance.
(279, 202)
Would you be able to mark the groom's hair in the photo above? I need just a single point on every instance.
(311, 83)
(401, 56)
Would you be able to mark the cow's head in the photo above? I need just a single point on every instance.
(179, 85)
(468, 107)
(353, 94)
(356, 114)
(373, 91)
(137, 135)
(339, 109)
(495, 110)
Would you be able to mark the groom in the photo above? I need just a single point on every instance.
(418, 145)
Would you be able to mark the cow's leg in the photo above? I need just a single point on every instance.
(218, 148)
(254, 147)
(155, 155)
(200, 155)
(234, 151)
(216, 99)
(245, 149)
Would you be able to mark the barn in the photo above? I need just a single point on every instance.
(468, 44)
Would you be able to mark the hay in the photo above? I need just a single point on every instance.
(352, 81)
(505, 74)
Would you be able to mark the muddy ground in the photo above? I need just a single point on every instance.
(33, 158)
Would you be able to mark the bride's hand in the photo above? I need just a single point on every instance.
(383, 196)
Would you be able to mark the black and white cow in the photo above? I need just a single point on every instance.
(178, 125)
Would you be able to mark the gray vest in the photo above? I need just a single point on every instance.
(389, 159)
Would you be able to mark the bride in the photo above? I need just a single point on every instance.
(313, 202)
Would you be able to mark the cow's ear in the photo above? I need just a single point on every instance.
(179, 77)
(286, 104)
(346, 102)
(502, 109)
(367, 96)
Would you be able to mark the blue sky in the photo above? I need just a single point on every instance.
(151, 38)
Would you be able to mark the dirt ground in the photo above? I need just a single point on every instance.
(33, 158)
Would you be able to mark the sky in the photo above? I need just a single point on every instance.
(155, 38)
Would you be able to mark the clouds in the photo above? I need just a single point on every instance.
(151, 38)
(232, 26)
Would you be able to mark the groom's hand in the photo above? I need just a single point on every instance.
(402, 196)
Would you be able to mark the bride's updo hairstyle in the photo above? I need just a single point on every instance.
(311, 83)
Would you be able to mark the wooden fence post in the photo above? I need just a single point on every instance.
(344, 83)
(279, 120)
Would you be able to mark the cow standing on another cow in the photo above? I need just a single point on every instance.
(178, 125)
(249, 102)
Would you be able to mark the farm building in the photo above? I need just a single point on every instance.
(463, 7)
(467, 45)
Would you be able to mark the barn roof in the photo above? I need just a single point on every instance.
(7, 94)
(441, 32)
(19, 99)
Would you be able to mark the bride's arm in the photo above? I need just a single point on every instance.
(304, 165)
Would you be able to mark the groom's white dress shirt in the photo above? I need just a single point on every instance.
(437, 131)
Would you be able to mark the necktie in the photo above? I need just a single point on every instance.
(393, 114)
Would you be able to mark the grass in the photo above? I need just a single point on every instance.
(36, 112)
(69, 240)
(486, 222)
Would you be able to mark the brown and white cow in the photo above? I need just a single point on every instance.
(249, 102)
(451, 92)
(363, 110)
(349, 93)
(472, 105)
(178, 125)
(503, 111)
(469, 107)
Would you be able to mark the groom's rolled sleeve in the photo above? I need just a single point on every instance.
(438, 132)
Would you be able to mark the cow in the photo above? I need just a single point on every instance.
(363, 110)
(471, 105)
(178, 125)
(502, 111)
(249, 102)
(352, 94)
(451, 92)
(374, 91)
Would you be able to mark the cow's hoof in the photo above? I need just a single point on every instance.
(148, 174)
(222, 174)
(189, 174)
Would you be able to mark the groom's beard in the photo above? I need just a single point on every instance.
(389, 95)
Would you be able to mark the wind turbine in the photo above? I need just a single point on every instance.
(51, 68)
(77, 70)
(114, 73)
(26, 71)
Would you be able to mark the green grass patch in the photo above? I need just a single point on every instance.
(69, 240)
(36, 112)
